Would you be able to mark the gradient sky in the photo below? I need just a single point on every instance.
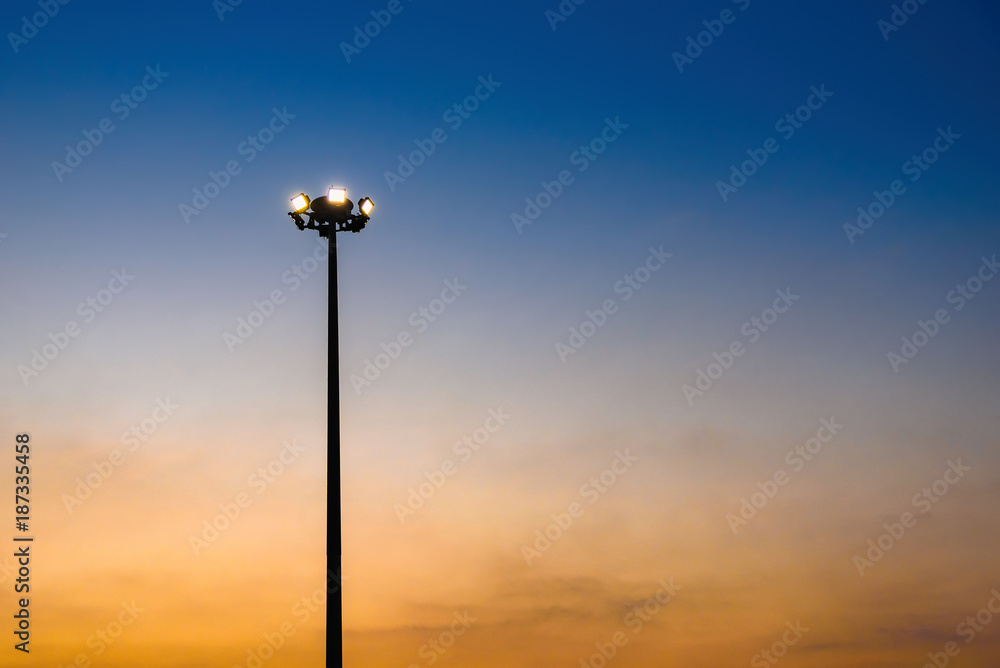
(666, 519)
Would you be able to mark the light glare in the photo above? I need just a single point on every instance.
(366, 206)
(300, 202)
(337, 195)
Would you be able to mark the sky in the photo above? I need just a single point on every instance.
(671, 340)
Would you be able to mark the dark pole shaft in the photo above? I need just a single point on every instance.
(335, 594)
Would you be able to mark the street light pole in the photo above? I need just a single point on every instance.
(334, 545)
(329, 215)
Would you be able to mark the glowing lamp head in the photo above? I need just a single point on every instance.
(337, 195)
(366, 206)
(300, 202)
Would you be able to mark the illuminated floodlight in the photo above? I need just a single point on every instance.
(366, 206)
(300, 202)
(337, 195)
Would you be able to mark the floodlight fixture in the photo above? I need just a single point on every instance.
(330, 214)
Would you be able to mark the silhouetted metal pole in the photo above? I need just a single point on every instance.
(329, 215)
(334, 545)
